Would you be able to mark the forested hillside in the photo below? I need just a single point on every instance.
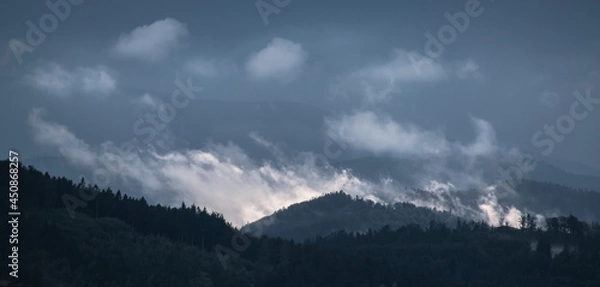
(116, 240)
(339, 211)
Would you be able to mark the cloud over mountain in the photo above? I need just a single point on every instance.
(224, 178)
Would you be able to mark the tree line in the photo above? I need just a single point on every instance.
(118, 240)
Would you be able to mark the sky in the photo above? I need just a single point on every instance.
(236, 104)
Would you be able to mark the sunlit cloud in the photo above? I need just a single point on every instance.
(224, 178)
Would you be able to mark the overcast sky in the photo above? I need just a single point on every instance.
(407, 79)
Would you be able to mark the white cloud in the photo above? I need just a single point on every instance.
(152, 42)
(282, 59)
(435, 158)
(379, 81)
(381, 135)
(485, 141)
(211, 68)
(400, 68)
(366, 131)
(96, 80)
(74, 149)
(224, 179)
(468, 69)
(221, 177)
(496, 214)
(443, 169)
(56, 80)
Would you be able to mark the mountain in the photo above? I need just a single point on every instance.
(87, 251)
(565, 164)
(406, 172)
(76, 235)
(550, 173)
(552, 199)
(339, 211)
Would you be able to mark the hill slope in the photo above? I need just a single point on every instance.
(339, 211)
(407, 171)
(116, 240)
